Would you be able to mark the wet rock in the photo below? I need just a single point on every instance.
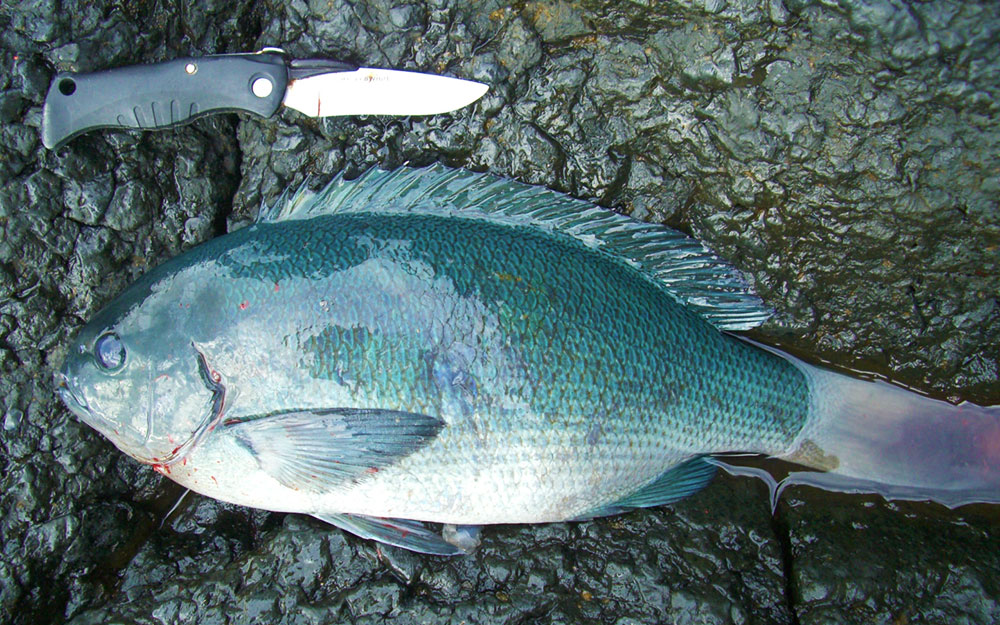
(841, 576)
(688, 566)
(843, 154)
(556, 21)
(11, 106)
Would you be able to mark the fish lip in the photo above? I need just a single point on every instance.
(66, 389)
(67, 393)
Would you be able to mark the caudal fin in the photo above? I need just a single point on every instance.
(872, 436)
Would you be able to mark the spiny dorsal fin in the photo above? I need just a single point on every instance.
(683, 266)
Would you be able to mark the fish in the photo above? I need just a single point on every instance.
(435, 345)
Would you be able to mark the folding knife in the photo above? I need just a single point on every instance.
(175, 92)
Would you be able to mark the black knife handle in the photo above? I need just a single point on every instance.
(163, 94)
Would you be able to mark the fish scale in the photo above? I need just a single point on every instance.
(578, 364)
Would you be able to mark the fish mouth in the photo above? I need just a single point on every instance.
(71, 397)
(76, 404)
(65, 392)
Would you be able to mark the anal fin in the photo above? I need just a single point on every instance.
(674, 484)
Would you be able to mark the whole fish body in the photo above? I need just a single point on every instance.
(438, 345)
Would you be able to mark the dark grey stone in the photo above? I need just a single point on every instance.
(844, 154)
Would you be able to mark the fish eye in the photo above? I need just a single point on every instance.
(110, 351)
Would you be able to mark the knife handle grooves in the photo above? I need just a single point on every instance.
(155, 118)
(162, 95)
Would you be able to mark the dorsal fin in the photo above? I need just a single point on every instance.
(684, 267)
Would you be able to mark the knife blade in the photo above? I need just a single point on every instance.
(162, 95)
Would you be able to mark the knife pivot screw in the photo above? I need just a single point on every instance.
(262, 87)
(67, 86)
(191, 68)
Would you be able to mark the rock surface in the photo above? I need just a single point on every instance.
(845, 154)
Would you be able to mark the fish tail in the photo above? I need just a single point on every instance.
(872, 436)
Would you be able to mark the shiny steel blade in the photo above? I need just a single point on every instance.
(380, 92)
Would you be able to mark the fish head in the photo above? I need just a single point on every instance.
(135, 375)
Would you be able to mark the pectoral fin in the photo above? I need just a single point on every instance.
(319, 450)
(403, 533)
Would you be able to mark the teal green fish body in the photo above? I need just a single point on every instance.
(401, 347)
